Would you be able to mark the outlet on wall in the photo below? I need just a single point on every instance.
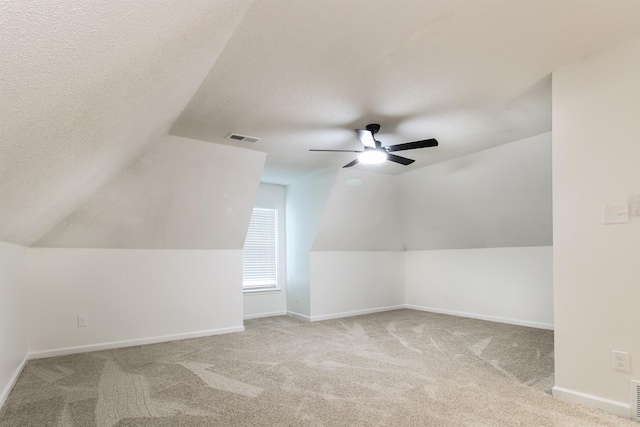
(620, 360)
(83, 321)
(297, 297)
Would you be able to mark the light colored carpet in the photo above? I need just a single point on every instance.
(399, 368)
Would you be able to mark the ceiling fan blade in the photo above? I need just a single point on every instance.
(338, 151)
(366, 137)
(412, 145)
(399, 159)
(353, 163)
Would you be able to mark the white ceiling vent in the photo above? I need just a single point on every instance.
(244, 138)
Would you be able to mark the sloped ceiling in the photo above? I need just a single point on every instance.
(86, 87)
(473, 74)
(362, 214)
(178, 194)
(499, 197)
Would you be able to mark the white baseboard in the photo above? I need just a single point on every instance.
(612, 406)
(355, 313)
(12, 381)
(518, 322)
(131, 343)
(299, 316)
(261, 315)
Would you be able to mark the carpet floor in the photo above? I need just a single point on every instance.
(398, 368)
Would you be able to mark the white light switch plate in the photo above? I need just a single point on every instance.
(615, 214)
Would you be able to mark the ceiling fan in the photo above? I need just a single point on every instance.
(374, 153)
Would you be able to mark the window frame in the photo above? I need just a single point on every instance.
(274, 284)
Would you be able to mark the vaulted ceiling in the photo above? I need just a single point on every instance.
(87, 88)
(473, 74)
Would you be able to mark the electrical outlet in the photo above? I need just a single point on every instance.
(446, 295)
(620, 360)
(297, 297)
(83, 321)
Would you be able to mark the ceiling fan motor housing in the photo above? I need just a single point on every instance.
(373, 128)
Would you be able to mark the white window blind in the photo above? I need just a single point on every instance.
(260, 254)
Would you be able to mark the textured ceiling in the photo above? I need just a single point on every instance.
(473, 74)
(87, 86)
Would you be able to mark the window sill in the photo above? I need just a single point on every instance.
(261, 291)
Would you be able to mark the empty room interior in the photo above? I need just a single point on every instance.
(482, 272)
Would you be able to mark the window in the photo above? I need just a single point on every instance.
(260, 254)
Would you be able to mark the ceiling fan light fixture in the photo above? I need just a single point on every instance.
(372, 157)
(375, 154)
